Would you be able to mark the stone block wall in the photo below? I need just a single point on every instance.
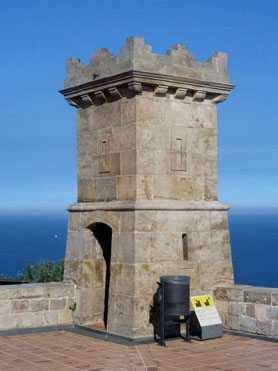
(35, 305)
(248, 309)
(148, 148)
(145, 245)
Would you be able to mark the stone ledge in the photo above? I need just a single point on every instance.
(148, 205)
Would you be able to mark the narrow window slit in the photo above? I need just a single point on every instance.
(179, 151)
(185, 246)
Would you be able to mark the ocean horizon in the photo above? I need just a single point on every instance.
(29, 237)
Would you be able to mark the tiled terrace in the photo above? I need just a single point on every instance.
(68, 351)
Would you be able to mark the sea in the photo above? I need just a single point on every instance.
(27, 238)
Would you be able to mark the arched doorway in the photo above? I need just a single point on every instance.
(103, 234)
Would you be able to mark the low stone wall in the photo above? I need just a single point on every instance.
(35, 305)
(248, 309)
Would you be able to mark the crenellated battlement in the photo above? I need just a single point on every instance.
(137, 64)
(110, 77)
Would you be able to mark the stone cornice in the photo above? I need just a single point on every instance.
(115, 87)
(149, 205)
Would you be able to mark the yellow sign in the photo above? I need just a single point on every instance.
(201, 302)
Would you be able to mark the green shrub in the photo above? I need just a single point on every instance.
(43, 271)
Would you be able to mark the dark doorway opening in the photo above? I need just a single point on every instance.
(103, 234)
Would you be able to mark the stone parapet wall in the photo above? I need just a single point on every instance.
(138, 56)
(35, 305)
(248, 309)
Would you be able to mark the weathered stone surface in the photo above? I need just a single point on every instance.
(65, 316)
(51, 317)
(127, 221)
(37, 319)
(128, 163)
(250, 310)
(55, 290)
(222, 306)
(19, 306)
(257, 296)
(221, 275)
(275, 328)
(234, 293)
(146, 276)
(145, 221)
(123, 247)
(90, 305)
(151, 162)
(37, 305)
(261, 312)
(86, 189)
(4, 293)
(58, 304)
(127, 188)
(234, 308)
(5, 307)
(25, 291)
(142, 309)
(7, 321)
(122, 304)
(24, 320)
(272, 313)
(192, 189)
(265, 327)
(122, 279)
(106, 189)
(233, 322)
(166, 187)
(248, 324)
(124, 138)
(218, 220)
(210, 189)
(74, 222)
(274, 299)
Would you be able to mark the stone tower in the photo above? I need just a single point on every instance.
(147, 181)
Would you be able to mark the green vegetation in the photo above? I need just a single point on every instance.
(43, 271)
(72, 307)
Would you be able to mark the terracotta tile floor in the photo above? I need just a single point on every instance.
(67, 351)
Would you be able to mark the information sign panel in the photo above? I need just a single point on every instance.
(209, 322)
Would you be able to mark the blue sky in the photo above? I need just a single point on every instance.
(38, 128)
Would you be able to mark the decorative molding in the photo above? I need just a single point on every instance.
(72, 103)
(136, 87)
(220, 98)
(161, 91)
(180, 93)
(199, 96)
(115, 93)
(97, 91)
(86, 98)
(100, 96)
